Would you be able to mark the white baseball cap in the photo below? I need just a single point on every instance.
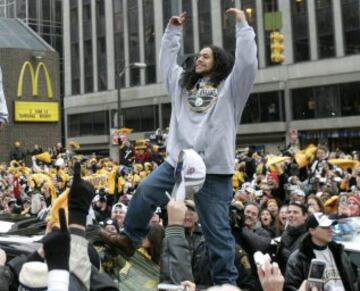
(319, 219)
(190, 172)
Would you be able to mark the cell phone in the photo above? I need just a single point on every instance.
(166, 287)
(316, 271)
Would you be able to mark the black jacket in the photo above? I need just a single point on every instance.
(290, 241)
(297, 268)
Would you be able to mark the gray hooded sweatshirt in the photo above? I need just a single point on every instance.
(206, 118)
(3, 107)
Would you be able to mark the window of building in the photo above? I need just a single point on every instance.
(350, 99)
(188, 38)
(351, 24)
(165, 114)
(205, 28)
(101, 45)
(300, 30)
(102, 68)
(91, 123)
(316, 102)
(149, 41)
(228, 27)
(325, 28)
(269, 6)
(119, 40)
(264, 107)
(134, 49)
(145, 118)
(88, 66)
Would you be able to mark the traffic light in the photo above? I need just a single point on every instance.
(277, 47)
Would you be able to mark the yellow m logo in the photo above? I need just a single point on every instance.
(34, 79)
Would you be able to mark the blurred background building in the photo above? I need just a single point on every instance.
(315, 90)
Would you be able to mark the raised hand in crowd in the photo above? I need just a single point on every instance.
(80, 197)
(178, 20)
(270, 276)
(239, 14)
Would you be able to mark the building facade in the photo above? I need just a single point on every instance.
(315, 90)
(31, 82)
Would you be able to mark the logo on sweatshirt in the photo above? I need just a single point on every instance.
(202, 97)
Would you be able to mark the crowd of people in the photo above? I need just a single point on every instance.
(113, 225)
(273, 196)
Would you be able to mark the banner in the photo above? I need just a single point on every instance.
(36, 111)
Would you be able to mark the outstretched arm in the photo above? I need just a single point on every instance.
(242, 77)
(170, 46)
(3, 108)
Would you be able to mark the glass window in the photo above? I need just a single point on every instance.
(167, 12)
(149, 40)
(102, 68)
(228, 27)
(350, 99)
(119, 40)
(188, 38)
(88, 66)
(316, 102)
(145, 118)
(325, 28)
(166, 114)
(205, 29)
(94, 123)
(351, 23)
(300, 30)
(264, 107)
(269, 6)
(101, 46)
(133, 24)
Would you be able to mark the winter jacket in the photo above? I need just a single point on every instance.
(298, 265)
(175, 263)
(290, 241)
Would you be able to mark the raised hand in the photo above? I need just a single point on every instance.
(178, 20)
(80, 197)
(239, 14)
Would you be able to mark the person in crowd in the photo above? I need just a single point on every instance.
(17, 153)
(205, 92)
(283, 218)
(294, 232)
(354, 205)
(118, 212)
(101, 208)
(268, 222)
(318, 243)
(314, 204)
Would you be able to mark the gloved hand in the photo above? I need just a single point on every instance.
(80, 197)
(57, 246)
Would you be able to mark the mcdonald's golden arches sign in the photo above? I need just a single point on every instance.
(29, 111)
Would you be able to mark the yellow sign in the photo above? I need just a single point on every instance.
(36, 111)
(34, 79)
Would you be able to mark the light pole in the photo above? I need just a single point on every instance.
(120, 121)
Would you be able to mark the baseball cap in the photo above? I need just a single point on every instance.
(190, 172)
(319, 219)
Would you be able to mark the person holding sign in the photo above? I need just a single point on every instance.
(207, 101)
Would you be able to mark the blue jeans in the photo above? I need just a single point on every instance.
(212, 204)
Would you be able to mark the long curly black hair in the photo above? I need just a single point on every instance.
(223, 64)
